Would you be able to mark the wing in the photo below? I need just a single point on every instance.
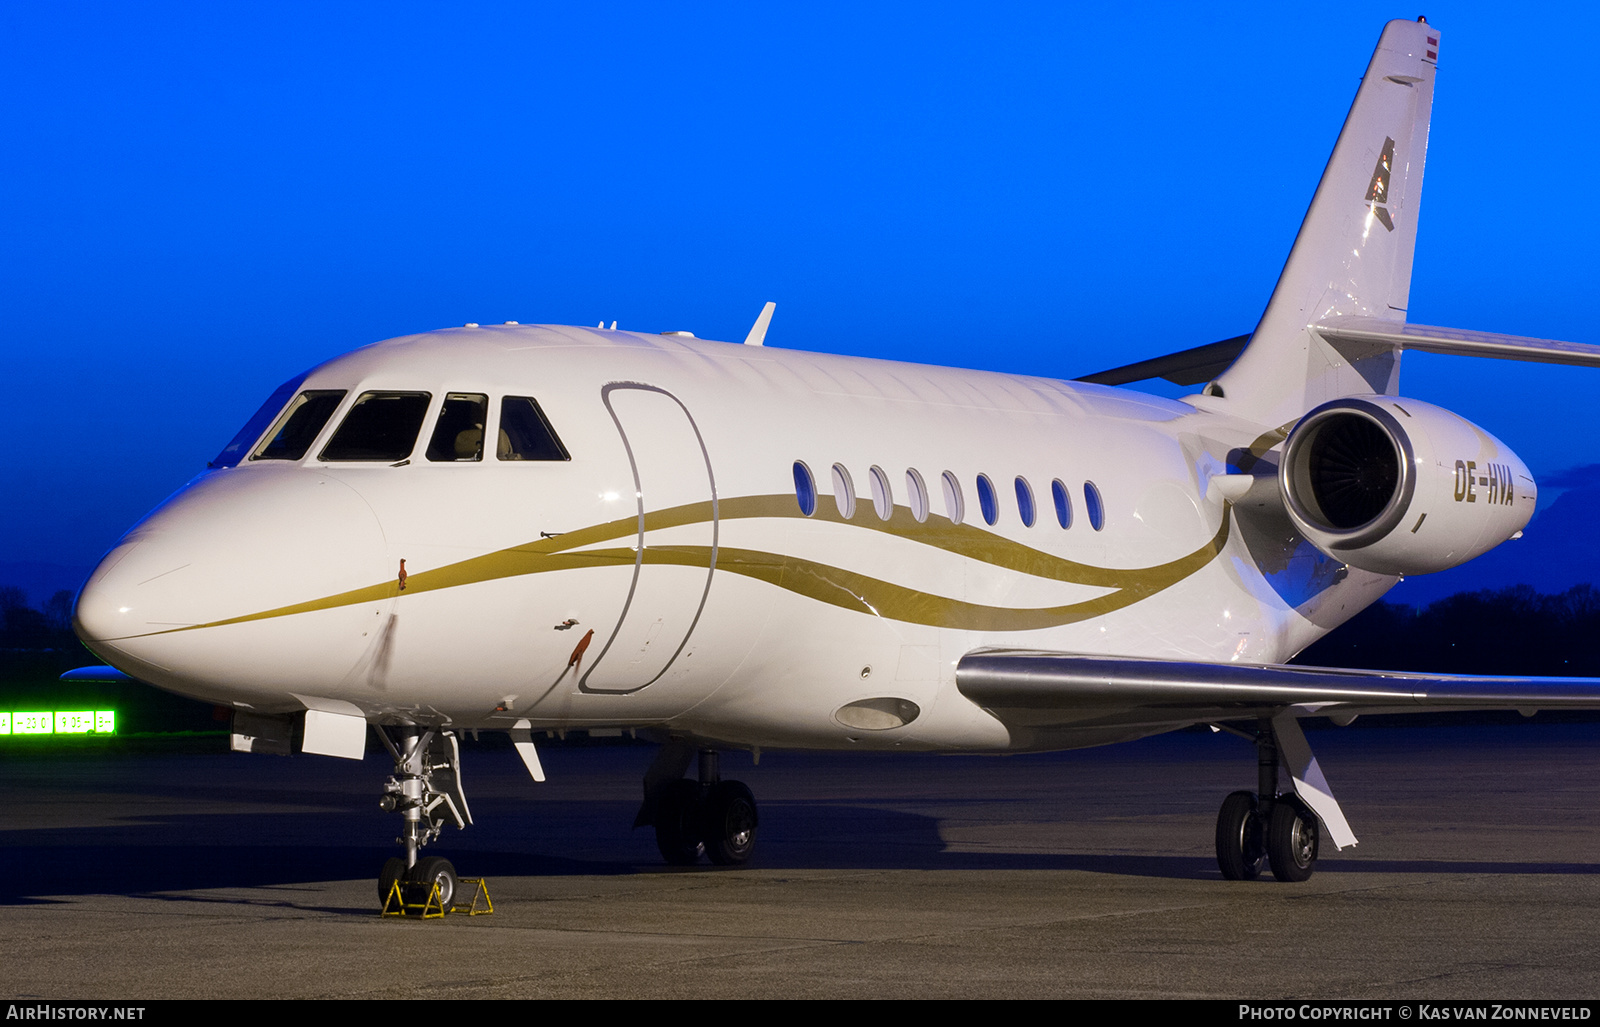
(1165, 691)
(1131, 696)
(1188, 367)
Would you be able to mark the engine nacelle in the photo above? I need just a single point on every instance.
(1398, 486)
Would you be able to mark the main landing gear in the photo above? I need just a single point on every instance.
(1281, 830)
(425, 789)
(706, 816)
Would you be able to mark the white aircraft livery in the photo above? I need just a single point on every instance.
(534, 528)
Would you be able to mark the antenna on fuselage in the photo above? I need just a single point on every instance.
(758, 331)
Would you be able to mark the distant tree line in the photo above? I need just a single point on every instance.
(1504, 631)
(23, 627)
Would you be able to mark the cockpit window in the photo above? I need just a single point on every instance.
(234, 451)
(459, 433)
(381, 426)
(299, 426)
(525, 433)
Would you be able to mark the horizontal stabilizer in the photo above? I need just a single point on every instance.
(1455, 341)
(1203, 363)
(1183, 690)
(1189, 367)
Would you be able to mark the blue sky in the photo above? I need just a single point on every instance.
(201, 200)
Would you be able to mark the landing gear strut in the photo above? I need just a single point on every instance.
(425, 789)
(707, 816)
(1266, 827)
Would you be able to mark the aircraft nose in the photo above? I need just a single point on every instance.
(101, 612)
(231, 545)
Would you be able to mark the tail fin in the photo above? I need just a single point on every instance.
(1353, 253)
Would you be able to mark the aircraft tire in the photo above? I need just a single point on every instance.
(730, 823)
(1292, 836)
(430, 870)
(678, 823)
(394, 869)
(1241, 848)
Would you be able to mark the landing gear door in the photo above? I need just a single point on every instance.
(676, 543)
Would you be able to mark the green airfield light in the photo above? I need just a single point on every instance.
(32, 723)
(59, 722)
(74, 722)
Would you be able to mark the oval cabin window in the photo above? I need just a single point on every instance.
(844, 492)
(1058, 492)
(1025, 501)
(882, 498)
(955, 504)
(805, 488)
(916, 495)
(988, 502)
(1092, 504)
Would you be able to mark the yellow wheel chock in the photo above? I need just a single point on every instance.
(431, 908)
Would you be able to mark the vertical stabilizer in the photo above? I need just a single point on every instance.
(1353, 253)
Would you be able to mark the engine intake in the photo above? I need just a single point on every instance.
(1401, 487)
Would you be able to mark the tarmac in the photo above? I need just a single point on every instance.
(1087, 874)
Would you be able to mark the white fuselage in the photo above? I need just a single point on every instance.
(274, 586)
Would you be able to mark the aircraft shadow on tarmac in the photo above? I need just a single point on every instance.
(246, 851)
(161, 824)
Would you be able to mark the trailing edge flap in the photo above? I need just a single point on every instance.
(1035, 679)
(1186, 367)
(1454, 341)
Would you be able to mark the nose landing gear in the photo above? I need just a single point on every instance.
(425, 789)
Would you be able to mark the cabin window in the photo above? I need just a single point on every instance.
(1025, 501)
(955, 504)
(234, 451)
(458, 436)
(988, 502)
(299, 426)
(380, 426)
(805, 488)
(1092, 504)
(525, 433)
(916, 495)
(844, 492)
(882, 499)
(1058, 492)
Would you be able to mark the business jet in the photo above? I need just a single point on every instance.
(724, 546)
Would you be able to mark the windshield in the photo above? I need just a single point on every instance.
(381, 426)
(234, 451)
(525, 433)
(459, 433)
(299, 426)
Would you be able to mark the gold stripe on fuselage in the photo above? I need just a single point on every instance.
(836, 586)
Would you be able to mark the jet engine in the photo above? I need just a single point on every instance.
(1398, 486)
